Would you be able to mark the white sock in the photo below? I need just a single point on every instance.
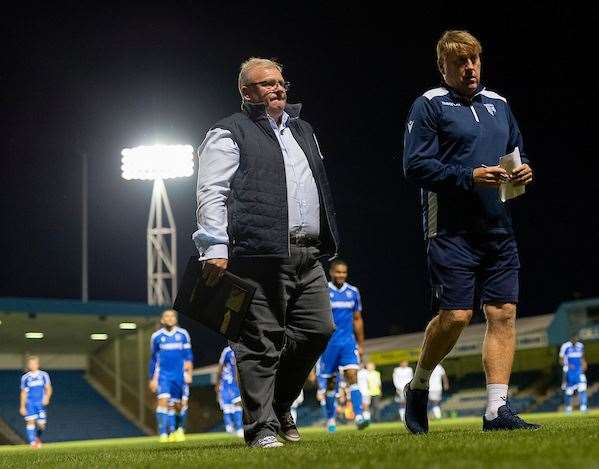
(437, 412)
(402, 413)
(421, 378)
(366, 414)
(496, 397)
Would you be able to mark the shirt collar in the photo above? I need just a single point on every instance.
(258, 110)
(284, 121)
(454, 93)
(333, 287)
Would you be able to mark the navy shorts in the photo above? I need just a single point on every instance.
(465, 267)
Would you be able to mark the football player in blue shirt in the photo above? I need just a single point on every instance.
(346, 345)
(171, 365)
(572, 359)
(36, 391)
(321, 387)
(227, 391)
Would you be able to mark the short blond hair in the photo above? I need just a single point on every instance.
(457, 43)
(251, 63)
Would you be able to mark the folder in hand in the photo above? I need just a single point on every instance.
(222, 307)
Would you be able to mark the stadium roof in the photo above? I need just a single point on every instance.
(66, 325)
(53, 306)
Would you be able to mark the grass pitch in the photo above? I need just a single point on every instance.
(565, 441)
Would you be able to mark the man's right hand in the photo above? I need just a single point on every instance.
(213, 270)
(153, 385)
(491, 176)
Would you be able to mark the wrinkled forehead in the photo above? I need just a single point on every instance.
(262, 73)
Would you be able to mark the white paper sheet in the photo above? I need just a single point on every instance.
(510, 162)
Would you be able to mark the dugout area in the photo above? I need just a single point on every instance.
(67, 335)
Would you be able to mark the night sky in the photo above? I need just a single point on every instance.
(78, 79)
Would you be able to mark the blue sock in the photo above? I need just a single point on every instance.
(228, 418)
(331, 404)
(39, 431)
(182, 417)
(356, 400)
(567, 400)
(238, 419)
(171, 420)
(30, 432)
(162, 420)
(582, 398)
(323, 408)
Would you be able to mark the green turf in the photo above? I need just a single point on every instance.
(565, 441)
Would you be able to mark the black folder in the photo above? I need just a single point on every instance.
(221, 307)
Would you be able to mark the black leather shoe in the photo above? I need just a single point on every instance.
(416, 418)
(288, 429)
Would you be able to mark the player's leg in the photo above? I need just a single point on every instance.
(40, 425)
(237, 410)
(181, 416)
(402, 405)
(582, 393)
(171, 418)
(498, 354)
(238, 418)
(176, 385)
(162, 410)
(331, 403)
(328, 372)
(365, 404)
(30, 428)
(435, 400)
(440, 336)
(351, 375)
(452, 263)
(228, 412)
(568, 394)
(321, 395)
(178, 432)
(349, 362)
(499, 286)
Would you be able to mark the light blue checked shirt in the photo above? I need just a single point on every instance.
(218, 161)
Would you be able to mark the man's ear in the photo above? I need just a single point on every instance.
(441, 67)
(244, 93)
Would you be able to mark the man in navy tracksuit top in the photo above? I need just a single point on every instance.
(454, 138)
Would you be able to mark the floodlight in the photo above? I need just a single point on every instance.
(156, 163)
(34, 335)
(128, 326)
(98, 336)
(150, 162)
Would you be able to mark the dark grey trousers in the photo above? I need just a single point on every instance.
(286, 329)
